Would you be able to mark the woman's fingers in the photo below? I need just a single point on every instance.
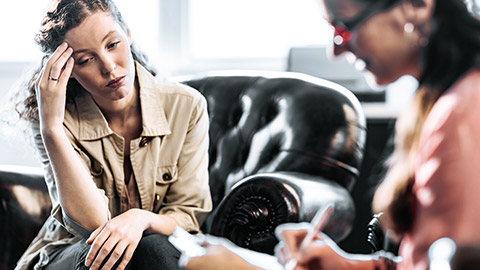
(291, 240)
(94, 234)
(115, 254)
(127, 256)
(96, 247)
(105, 249)
(112, 251)
(55, 65)
(54, 57)
(51, 86)
(65, 76)
(58, 68)
(114, 242)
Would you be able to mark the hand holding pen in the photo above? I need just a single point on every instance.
(318, 224)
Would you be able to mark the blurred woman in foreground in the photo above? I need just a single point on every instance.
(431, 188)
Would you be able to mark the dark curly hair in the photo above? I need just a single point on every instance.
(62, 16)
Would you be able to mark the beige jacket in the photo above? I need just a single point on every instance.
(169, 161)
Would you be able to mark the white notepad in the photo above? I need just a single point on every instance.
(190, 246)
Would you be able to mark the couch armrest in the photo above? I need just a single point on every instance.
(255, 206)
(24, 206)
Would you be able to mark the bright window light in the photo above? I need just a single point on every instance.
(20, 21)
(254, 28)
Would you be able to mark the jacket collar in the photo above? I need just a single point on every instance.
(93, 125)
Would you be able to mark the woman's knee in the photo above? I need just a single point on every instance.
(156, 243)
(68, 257)
(155, 250)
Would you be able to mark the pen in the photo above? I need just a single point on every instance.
(319, 222)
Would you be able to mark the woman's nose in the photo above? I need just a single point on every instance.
(108, 65)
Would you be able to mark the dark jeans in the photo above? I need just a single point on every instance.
(153, 252)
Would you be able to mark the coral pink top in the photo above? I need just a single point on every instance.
(447, 174)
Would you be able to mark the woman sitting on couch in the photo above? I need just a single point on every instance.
(125, 155)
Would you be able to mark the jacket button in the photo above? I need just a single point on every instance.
(144, 141)
(167, 176)
(52, 226)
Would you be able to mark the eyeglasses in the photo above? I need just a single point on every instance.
(341, 34)
(342, 29)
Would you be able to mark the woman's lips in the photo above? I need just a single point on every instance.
(115, 83)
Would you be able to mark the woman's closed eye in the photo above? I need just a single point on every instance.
(84, 60)
(113, 44)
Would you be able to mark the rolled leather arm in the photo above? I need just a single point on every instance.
(255, 206)
(24, 206)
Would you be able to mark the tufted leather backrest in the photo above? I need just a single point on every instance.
(280, 121)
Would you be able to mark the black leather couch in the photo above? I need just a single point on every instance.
(281, 146)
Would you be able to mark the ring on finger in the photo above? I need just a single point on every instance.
(53, 79)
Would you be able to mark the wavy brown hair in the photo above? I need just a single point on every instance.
(62, 16)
